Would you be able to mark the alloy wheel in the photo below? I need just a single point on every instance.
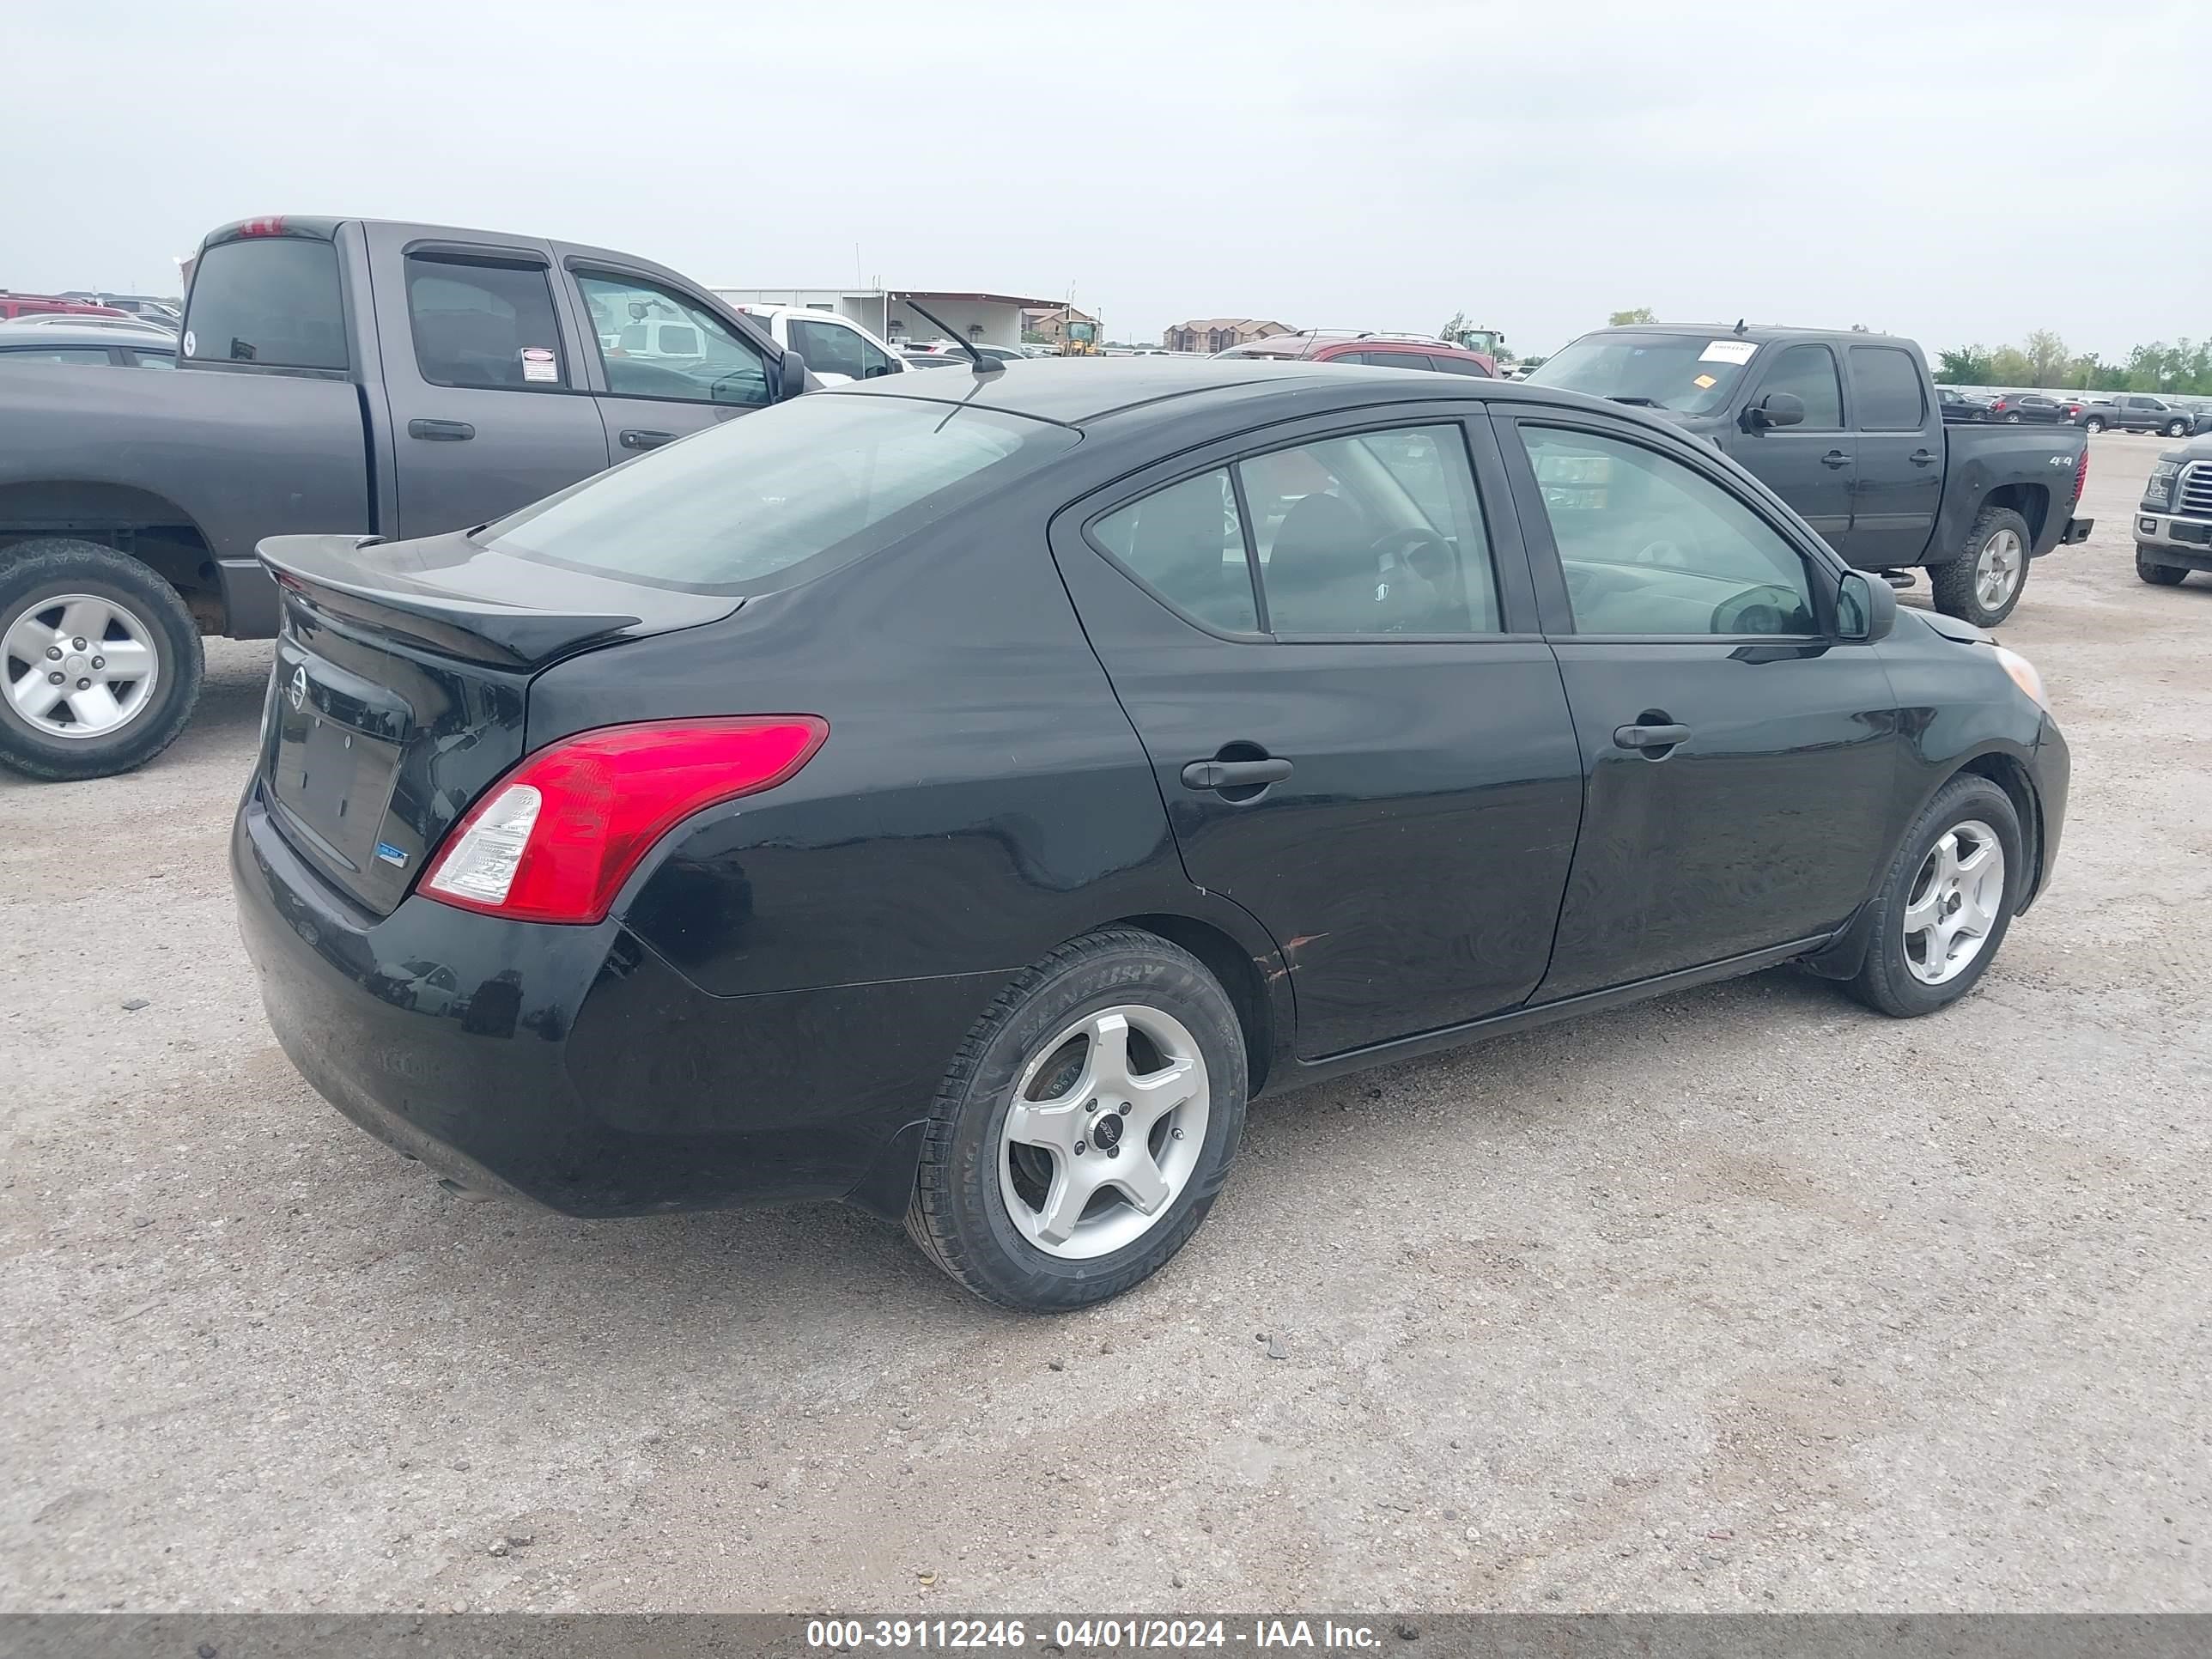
(1107, 1123)
(80, 666)
(1997, 568)
(1956, 900)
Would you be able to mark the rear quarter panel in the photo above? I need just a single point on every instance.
(1980, 459)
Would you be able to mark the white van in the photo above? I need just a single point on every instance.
(836, 349)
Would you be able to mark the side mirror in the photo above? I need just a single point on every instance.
(1866, 608)
(1775, 409)
(790, 375)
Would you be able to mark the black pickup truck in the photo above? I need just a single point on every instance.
(335, 374)
(1848, 428)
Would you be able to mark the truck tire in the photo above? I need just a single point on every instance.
(2177, 428)
(2095, 423)
(1983, 584)
(2158, 575)
(100, 662)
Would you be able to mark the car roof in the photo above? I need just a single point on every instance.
(54, 334)
(1760, 333)
(1080, 391)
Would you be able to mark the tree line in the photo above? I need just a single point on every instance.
(2043, 360)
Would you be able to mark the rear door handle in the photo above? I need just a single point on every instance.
(1922, 458)
(1835, 457)
(633, 438)
(1651, 738)
(1234, 773)
(441, 432)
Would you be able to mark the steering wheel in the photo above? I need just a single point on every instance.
(1412, 577)
(1769, 608)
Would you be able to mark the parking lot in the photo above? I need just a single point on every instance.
(1748, 1298)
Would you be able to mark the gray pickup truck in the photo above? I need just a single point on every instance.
(1848, 428)
(335, 374)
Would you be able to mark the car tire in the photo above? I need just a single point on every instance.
(2159, 575)
(1904, 979)
(2013, 419)
(1985, 581)
(39, 579)
(2093, 425)
(983, 1206)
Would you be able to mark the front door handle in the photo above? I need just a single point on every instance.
(1654, 740)
(1835, 457)
(1234, 773)
(1922, 458)
(633, 438)
(441, 432)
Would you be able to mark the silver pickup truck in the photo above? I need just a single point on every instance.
(2173, 524)
(335, 374)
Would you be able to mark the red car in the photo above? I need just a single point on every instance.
(1377, 351)
(13, 306)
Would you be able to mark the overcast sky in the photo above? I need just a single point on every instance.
(1941, 167)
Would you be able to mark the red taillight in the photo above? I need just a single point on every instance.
(2081, 472)
(555, 838)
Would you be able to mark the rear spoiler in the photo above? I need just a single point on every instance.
(328, 575)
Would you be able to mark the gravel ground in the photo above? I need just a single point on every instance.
(1745, 1299)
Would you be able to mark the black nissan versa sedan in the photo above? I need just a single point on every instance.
(960, 793)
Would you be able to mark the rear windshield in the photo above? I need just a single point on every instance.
(271, 300)
(1689, 373)
(825, 477)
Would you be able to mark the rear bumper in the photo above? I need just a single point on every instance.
(576, 1067)
(2077, 531)
(2184, 543)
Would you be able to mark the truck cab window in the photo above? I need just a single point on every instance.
(481, 324)
(828, 347)
(273, 300)
(656, 343)
(1808, 372)
(1886, 382)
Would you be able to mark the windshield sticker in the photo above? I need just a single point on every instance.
(1705, 383)
(1728, 351)
(191, 346)
(538, 364)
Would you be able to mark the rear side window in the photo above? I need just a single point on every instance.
(480, 324)
(56, 354)
(1887, 383)
(1808, 372)
(1186, 543)
(818, 481)
(268, 300)
(1458, 366)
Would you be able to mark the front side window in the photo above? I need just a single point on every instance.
(655, 343)
(826, 480)
(828, 347)
(1808, 373)
(1648, 546)
(481, 324)
(1887, 382)
(268, 300)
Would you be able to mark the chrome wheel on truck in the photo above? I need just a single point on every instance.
(100, 660)
(1984, 582)
(80, 666)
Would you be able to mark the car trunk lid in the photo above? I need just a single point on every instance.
(401, 676)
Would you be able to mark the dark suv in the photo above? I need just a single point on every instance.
(1375, 351)
(2132, 412)
(2014, 407)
